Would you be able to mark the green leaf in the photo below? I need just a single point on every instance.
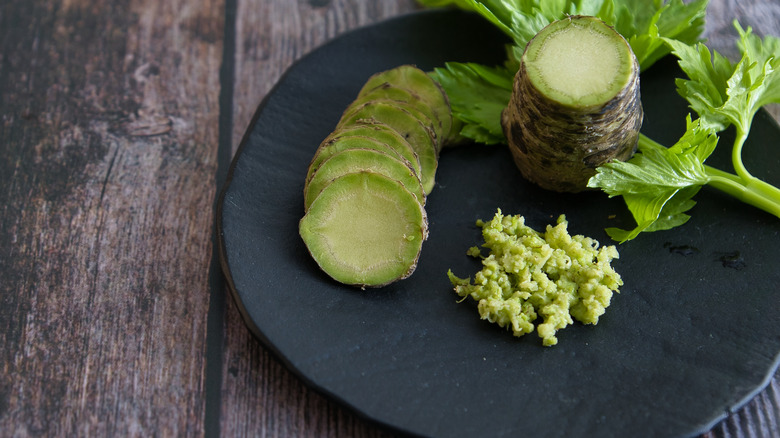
(656, 173)
(755, 81)
(697, 140)
(478, 94)
(645, 23)
(706, 86)
(655, 214)
(657, 184)
(683, 21)
(673, 213)
(764, 52)
(723, 93)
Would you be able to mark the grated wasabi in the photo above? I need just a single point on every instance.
(530, 275)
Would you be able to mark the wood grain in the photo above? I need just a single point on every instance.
(106, 214)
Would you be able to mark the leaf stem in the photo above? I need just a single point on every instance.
(752, 191)
(646, 142)
(742, 186)
(736, 153)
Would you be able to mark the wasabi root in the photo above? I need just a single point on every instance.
(575, 104)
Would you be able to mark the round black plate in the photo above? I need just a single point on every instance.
(694, 333)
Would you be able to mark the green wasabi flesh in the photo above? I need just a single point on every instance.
(333, 146)
(428, 90)
(409, 99)
(579, 61)
(383, 134)
(362, 160)
(365, 229)
(424, 117)
(418, 135)
(529, 275)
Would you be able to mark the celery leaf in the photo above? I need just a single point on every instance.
(723, 93)
(478, 94)
(658, 184)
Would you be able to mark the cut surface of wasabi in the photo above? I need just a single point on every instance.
(362, 160)
(333, 146)
(383, 134)
(413, 78)
(409, 98)
(579, 61)
(422, 138)
(365, 229)
(415, 110)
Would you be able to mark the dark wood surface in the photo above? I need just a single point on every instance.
(118, 120)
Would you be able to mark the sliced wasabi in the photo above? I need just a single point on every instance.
(365, 229)
(362, 160)
(383, 134)
(409, 99)
(366, 186)
(421, 137)
(333, 146)
(424, 86)
(423, 117)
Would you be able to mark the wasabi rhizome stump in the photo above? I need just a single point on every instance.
(365, 189)
(575, 104)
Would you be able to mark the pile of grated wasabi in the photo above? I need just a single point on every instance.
(529, 275)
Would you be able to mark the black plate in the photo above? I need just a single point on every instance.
(694, 333)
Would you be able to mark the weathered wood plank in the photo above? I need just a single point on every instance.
(109, 117)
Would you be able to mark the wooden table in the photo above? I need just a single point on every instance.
(118, 121)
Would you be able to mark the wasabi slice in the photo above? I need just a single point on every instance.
(366, 186)
(424, 86)
(421, 137)
(383, 134)
(333, 146)
(409, 99)
(365, 229)
(426, 120)
(362, 160)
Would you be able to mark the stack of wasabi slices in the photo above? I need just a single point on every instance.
(366, 186)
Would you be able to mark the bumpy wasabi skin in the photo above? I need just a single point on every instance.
(529, 275)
